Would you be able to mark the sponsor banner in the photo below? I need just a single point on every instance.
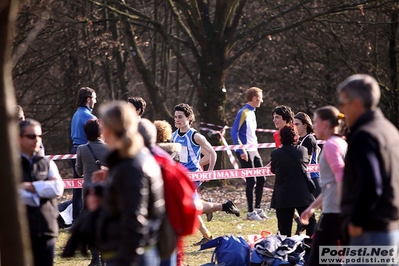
(364, 255)
(73, 183)
(209, 175)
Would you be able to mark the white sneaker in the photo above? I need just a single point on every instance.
(253, 216)
(261, 214)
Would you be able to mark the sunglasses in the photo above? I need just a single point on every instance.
(32, 136)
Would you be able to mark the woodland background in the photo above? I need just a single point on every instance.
(205, 53)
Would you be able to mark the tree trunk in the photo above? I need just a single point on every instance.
(212, 94)
(14, 242)
(119, 56)
(394, 71)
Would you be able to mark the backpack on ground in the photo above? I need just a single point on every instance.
(229, 250)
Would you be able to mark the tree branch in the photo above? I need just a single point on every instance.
(333, 10)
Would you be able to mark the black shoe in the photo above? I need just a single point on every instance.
(231, 208)
(202, 241)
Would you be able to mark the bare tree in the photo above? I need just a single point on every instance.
(14, 241)
(217, 33)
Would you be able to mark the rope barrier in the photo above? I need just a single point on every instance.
(209, 175)
(227, 127)
(216, 148)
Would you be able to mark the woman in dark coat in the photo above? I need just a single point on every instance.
(133, 202)
(291, 192)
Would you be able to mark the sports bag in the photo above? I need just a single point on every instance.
(230, 250)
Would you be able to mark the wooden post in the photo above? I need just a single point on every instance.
(14, 236)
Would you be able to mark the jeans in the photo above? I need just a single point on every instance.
(149, 258)
(172, 261)
(43, 250)
(76, 192)
(390, 238)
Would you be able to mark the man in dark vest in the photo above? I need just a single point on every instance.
(370, 202)
(39, 190)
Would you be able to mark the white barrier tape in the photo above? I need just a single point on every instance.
(266, 130)
(244, 146)
(216, 148)
(61, 157)
(221, 133)
(209, 175)
(232, 159)
(213, 125)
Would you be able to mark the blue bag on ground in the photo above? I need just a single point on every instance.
(230, 250)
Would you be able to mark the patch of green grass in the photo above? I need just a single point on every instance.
(222, 224)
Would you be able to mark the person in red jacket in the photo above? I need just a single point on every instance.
(166, 154)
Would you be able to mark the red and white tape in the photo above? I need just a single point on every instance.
(61, 157)
(227, 127)
(221, 133)
(216, 148)
(232, 159)
(209, 175)
(244, 146)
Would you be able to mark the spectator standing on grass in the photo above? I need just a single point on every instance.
(283, 116)
(21, 117)
(89, 158)
(149, 132)
(289, 164)
(307, 139)
(244, 132)
(193, 144)
(327, 122)
(92, 155)
(41, 186)
(133, 202)
(139, 104)
(86, 100)
(370, 201)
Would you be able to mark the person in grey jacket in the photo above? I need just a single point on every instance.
(85, 159)
(88, 161)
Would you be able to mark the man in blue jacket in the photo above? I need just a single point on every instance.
(243, 132)
(86, 100)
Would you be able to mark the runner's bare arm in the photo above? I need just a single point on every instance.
(205, 159)
(207, 150)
